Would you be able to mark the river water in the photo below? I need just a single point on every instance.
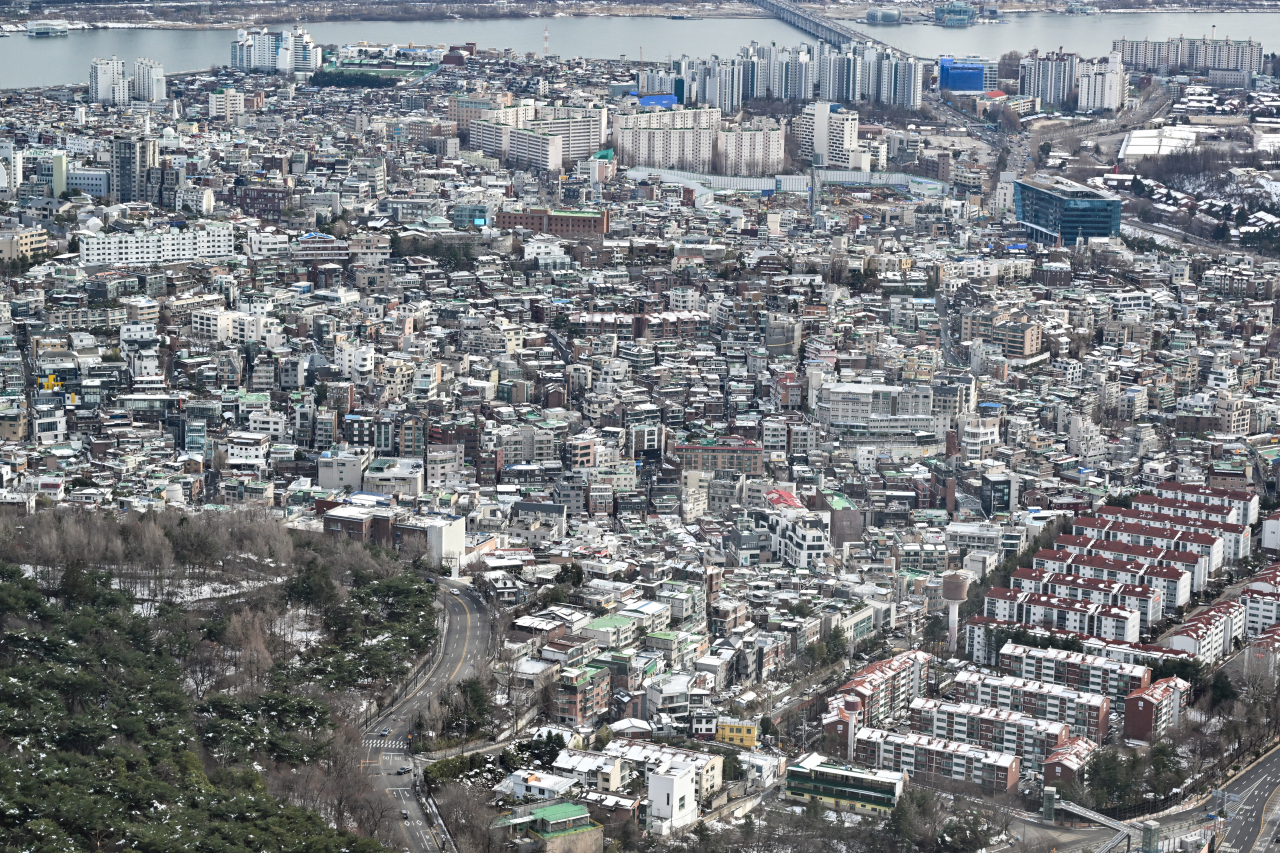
(28, 61)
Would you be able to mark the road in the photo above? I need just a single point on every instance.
(944, 333)
(465, 646)
(1254, 820)
(1252, 823)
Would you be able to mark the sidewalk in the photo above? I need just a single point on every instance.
(407, 690)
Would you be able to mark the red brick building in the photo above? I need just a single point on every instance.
(561, 223)
(1150, 712)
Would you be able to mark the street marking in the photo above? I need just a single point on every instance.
(466, 639)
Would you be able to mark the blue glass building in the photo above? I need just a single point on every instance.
(1059, 212)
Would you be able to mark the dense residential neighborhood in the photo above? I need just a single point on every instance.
(452, 448)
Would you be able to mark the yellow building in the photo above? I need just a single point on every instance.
(22, 243)
(737, 732)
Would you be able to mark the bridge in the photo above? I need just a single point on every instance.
(820, 26)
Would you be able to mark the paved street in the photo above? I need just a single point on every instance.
(1255, 812)
(1253, 826)
(465, 645)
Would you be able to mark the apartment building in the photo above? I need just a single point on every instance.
(828, 137)
(1174, 583)
(582, 695)
(1112, 529)
(884, 689)
(207, 240)
(1152, 711)
(859, 407)
(1151, 555)
(983, 639)
(936, 759)
(1211, 634)
(1246, 504)
(1064, 614)
(1237, 539)
(1148, 601)
(1262, 610)
(559, 223)
(1086, 713)
(667, 139)
(746, 457)
(1086, 672)
(751, 149)
(1010, 732)
(1184, 509)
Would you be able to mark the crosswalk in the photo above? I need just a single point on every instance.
(384, 743)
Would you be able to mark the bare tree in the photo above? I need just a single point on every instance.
(468, 818)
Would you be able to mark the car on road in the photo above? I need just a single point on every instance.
(456, 591)
(386, 732)
(404, 814)
(403, 770)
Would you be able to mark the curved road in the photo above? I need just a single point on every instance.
(1253, 826)
(464, 646)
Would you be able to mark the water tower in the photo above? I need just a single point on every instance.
(955, 591)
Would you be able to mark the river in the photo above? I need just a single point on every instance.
(28, 62)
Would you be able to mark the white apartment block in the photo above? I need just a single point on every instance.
(219, 325)
(203, 240)
(264, 243)
(1101, 84)
(1244, 503)
(148, 81)
(1211, 634)
(829, 137)
(667, 139)
(105, 79)
(1063, 614)
(225, 103)
(1262, 610)
(522, 147)
(750, 150)
(1086, 713)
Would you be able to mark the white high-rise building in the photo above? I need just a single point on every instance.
(828, 136)
(1049, 77)
(1100, 83)
(148, 81)
(667, 139)
(262, 50)
(751, 149)
(105, 78)
(10, 165)
(225, 103)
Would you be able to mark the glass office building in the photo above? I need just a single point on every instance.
(1059, 212)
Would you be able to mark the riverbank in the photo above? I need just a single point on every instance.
(643, 31)
(235, 16)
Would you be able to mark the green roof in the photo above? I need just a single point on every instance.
(559, 812)
(605, 622)
(837, 501)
